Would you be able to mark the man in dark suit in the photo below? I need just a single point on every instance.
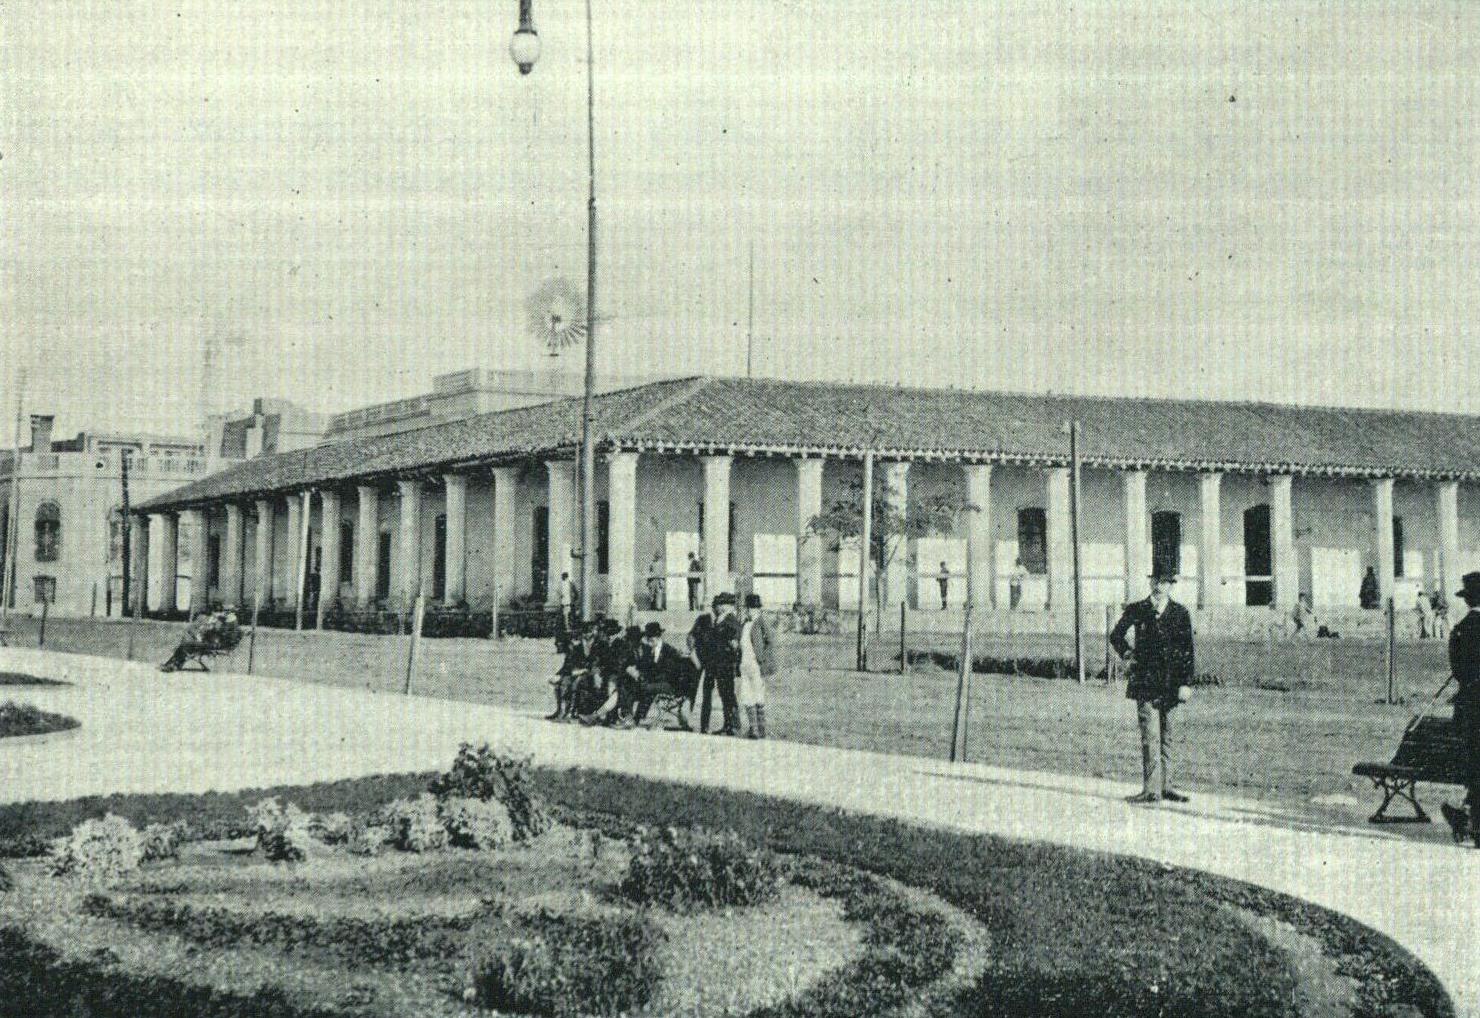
(1464, 665)
(726, 661)
(661, 669)
(1159, 675)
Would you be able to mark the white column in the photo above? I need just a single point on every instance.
(897, 546)
(716, 525)
(295, 525)
(1210, 550)
(455, 587)
(621, 531)
(1060, 541)
(409, 534)
(809, 542)
(367, 538)
(1282, 541)
(1382, 546)
(505, 485)
(562, 486)
(231, 558)
(979, 535)
(139, 568)
(1133, 491)
(1447, 495)
(264, 551)
(199, 589)
(169, 560)
(329, 539)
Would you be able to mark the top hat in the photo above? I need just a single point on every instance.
(720, 599)
(1470, 590)
(653, 630)
(752, 600)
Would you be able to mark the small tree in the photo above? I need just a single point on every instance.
(890, 530)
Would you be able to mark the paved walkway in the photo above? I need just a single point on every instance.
(144, 731)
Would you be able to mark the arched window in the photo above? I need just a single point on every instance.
(48, 532)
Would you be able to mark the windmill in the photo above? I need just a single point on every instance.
(556, 315)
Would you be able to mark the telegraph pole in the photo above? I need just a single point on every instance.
(12, 537)
(127, 525)
(1074, 536)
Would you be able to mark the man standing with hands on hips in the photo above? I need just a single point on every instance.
(1160, 673)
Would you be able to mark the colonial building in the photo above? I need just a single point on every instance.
(1251, 504)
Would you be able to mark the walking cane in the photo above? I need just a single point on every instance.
(1428, 706)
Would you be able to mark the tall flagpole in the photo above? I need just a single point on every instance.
(750, 317)
(588, 451)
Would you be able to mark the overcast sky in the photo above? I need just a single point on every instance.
(1203, 198)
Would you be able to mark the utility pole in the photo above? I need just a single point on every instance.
(865, 537)
(12, 537)
(127, 528)
(1074, 536)
(750, 317)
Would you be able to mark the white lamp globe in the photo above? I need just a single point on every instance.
(524, 49)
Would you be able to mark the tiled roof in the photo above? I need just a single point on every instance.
(758, 415)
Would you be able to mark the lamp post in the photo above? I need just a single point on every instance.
(524, 49)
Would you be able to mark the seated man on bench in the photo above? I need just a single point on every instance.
(208, 633)
(664, 674)
(577, 668)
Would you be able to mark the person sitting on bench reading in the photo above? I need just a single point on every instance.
(1464, 665)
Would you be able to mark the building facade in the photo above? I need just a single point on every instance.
(1250, 504)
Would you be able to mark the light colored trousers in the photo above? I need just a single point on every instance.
(1156, 743)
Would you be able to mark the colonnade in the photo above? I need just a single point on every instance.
(622, 474)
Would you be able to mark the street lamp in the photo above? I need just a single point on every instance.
(524, 48)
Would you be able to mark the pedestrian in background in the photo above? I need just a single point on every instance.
(1160, 674)
(757, 663)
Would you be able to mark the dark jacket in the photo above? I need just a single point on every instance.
(672, 670)
(1163, 656)
(1464, 665)
(726, 661)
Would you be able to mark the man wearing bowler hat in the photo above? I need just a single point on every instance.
(661, 670)
(1464, 665)
(1161, 669)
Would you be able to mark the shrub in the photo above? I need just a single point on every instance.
(474, 823)
(485, 774)
(569, 965)
(415, 825)
(162, 841)
(330, 828)
(684, 869)
(367, 839)
(282, 830)
(100, 850)
(26, 719)
(5, 882)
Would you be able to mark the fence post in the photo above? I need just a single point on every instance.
(41, 634)
(903, 657)
(1109, 609)
(963, 692)
(1392, 652)
(415, 639)
(93, 610)
(252, 636)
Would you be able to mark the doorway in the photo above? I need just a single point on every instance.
(539, 560)
(1258, 558)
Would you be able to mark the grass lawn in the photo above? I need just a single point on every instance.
(874, 915)
(1285, 725)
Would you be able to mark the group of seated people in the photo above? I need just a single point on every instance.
(206, 630)
(612, 675)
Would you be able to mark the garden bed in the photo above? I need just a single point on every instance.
(22, 719)
(22, 679)
(872, 917)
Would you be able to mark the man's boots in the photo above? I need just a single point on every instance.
(750, 723)
(760, 721)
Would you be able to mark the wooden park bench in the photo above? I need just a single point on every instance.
(224, 643)
(669, 706)
(1429, 751)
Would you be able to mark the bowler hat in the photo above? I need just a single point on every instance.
(1470, 590)
(652, 631)
(752, 600)
(721, 599)
(611, 627)
(633, 633)
(1164, 576)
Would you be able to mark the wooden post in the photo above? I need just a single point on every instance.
(252, 636)
(963, 691)
(493, 630)
(1109, 610)
(41, 634)
(864, 556)
(1391, 650)
(1074, 538)
(415, 639)
(903, 658)
(93, 610)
